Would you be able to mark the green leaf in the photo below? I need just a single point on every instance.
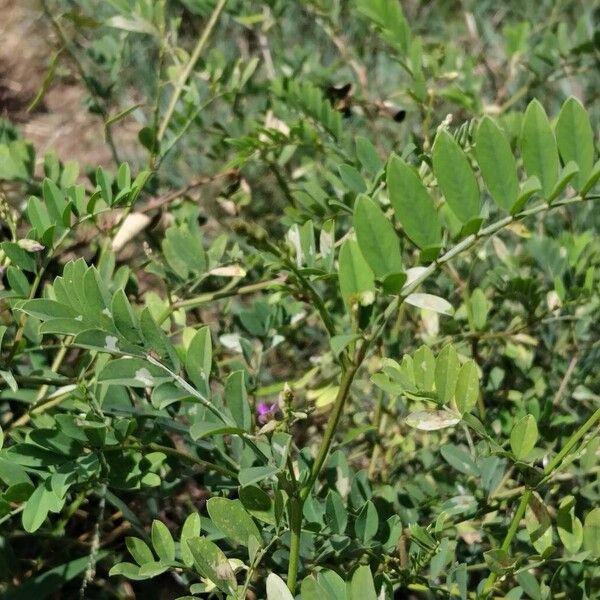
(139, 550)
(38, 216)
(389, 17)
(104, 181)
(367, 155)
(566, 174)
(92, 339)
(529, 187)
(231, 519)
(18, 282)
(413, 205)
(499, 561)
(213, 564)
(311, 590)
(19, 257)
(423, 368)
(124, 317)
(361, 586)
(376, 237)
(184, 252)
(591, 533)
(523, 437)
(277, 588)
(153, 569)
(538, 147)
(3, 330)
(206, 428)
(237, 399)
(467, 388)
(255, 474)
(592, 179)
(55, 202)
(32, 455)
(258, 503)
(479, 308)
(36, 509)
(162, 541)
(446, 373)
(352, 178)
(198, 360)
(529, 583)
(430, 302)
(570, 529)
(356, 279)
(393, 283)
(155, 339)
(538, 524)
(576, 139)
(124, 173)
(127, 569)
(497, 163)
(455, 177)
(336, 516)
(443, 556)
(459, 459)
(190, 529)
(332, 584)
(44, 309)
(367, 523)
(133, 372)
(339, 343)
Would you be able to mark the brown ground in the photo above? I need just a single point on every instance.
(60, 122)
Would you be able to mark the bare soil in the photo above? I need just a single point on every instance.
(60, 122)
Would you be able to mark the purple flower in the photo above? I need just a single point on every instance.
(267, 412)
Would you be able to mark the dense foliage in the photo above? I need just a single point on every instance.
(328, 328)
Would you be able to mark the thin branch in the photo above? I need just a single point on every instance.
(187, 71)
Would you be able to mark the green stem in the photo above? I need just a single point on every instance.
(218, 295)
(488, 231)
(571, 442)
(297, 502)
(295, 516)
(314, 296)
(187, 71)
(199, 462)
(334, 417)
(510, 534)
(550, 468)
(85, 79)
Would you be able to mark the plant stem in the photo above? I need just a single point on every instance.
(379, 420)
(295, 515)
(187, 71)
(488, 231)
(205, 464)
(85, 79)
(334, 417)
(550, 468)
(219, 295)
(297, 502)
(510, 534)
(571, 442)
(199, 462)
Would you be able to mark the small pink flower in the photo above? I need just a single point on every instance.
(267, 412)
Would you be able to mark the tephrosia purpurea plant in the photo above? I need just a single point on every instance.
(329, 331)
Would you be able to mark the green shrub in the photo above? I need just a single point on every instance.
(353, 355)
